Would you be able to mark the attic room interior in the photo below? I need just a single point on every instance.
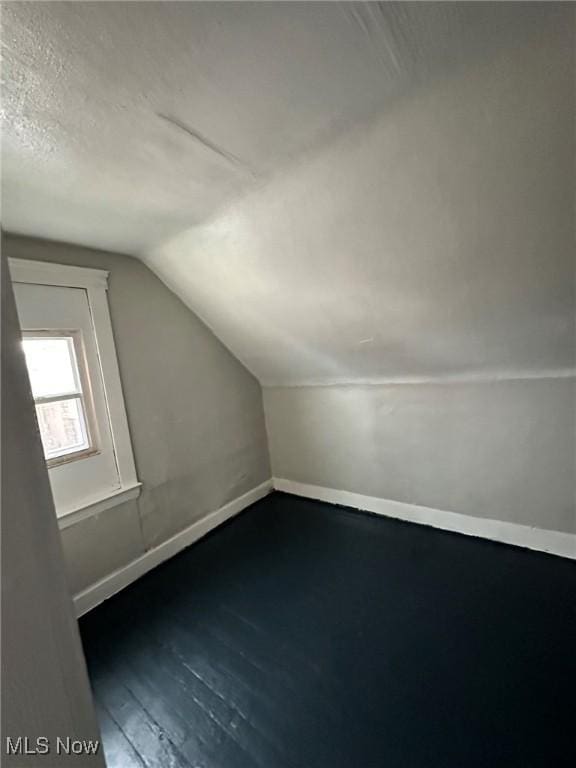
(288, 384)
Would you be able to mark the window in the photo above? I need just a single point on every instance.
(59, 381)
(71, 358)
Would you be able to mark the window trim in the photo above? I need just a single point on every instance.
(95, 283)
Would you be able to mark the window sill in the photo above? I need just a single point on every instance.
(98, 505)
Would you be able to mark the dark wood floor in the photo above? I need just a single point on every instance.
(307, 636)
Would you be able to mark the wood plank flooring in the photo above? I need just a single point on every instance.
(303, 635)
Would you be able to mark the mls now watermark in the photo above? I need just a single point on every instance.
(23, 745)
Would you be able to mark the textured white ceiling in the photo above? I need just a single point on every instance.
(124, 123)
(434, 242)
(342, 191)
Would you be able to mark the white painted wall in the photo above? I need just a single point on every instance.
(423, 265)
(45, 688)
(500, 450)
(195, 416)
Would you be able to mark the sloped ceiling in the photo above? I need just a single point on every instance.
(342, 191)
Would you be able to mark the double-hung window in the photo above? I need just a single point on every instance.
(70, 354)
(60, 385)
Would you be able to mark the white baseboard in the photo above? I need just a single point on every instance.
(553, 542)
(96, 593)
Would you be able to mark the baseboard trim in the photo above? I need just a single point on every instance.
(552, 542)
(96, 593)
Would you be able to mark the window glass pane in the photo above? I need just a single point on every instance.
(51, 366)
(62, 427)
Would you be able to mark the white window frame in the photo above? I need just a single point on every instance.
(83, 394)
(95, 283)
